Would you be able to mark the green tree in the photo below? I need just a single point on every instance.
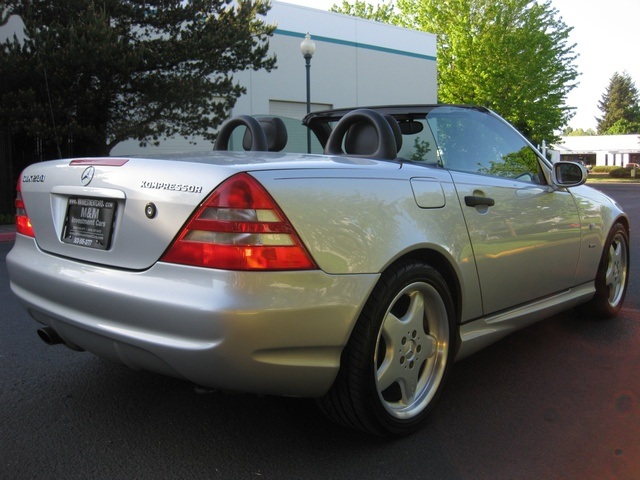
(578, 132)
(620, 107)
(512, 56)
(514, 164)
(101, 72)
(381, 13)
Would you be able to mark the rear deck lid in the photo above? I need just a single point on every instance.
(117, 212)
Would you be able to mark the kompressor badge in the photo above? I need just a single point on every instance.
(173, 187)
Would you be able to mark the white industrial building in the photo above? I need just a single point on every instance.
(600, 150)
(357, 62)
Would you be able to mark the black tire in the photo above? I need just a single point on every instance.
(612, 277)
(395, 363)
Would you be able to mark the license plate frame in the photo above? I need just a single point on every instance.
(89, 222)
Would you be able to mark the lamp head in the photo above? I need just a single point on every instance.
(308, 46)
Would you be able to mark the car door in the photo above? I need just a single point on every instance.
(525, 235)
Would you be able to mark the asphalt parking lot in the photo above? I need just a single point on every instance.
(558, 400)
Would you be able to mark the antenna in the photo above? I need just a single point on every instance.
(46, 84)
(53, 119)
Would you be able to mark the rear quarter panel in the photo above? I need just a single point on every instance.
(362, 221)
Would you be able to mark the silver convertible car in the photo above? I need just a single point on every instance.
(356, 276)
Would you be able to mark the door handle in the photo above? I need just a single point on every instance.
(475, 201)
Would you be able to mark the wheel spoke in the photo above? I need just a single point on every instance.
(611, 265)
(393, 329)
(409, 384)
(407, 348)
(390, 371)
(414, 317)
(615, 274)
(430, 346)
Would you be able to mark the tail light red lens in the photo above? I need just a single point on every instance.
(23, 224)
(240, 227)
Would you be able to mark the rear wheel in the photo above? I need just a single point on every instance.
(612, 276)
(395, 363)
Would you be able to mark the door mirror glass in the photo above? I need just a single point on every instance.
(568, 174)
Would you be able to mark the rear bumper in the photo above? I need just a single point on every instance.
(274, 333)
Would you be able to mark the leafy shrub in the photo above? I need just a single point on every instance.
(604, 169)
(6, 218)
(620, 172)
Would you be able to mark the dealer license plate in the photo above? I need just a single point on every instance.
(89, 222)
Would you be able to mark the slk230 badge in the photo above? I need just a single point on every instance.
(33, 178)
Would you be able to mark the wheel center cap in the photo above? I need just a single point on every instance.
(410, 349)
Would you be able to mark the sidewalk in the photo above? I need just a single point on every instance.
(7, 233)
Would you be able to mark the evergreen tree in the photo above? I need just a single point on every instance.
(620, 107)
(101, 72)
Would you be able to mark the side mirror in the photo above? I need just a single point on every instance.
(568, 174)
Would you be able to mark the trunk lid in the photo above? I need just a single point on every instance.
(117, 212)
(125, 212)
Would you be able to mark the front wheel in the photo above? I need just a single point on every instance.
(612, 276)
(399, 353)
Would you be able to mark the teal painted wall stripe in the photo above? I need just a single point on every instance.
(289, 33)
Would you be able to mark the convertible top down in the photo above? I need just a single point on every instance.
(357, 276)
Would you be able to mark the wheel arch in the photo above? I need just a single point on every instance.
(612, 275)
(349, 401)
(624, 221)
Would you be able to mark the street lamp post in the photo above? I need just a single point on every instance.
(308, 48)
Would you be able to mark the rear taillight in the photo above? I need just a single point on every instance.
(23, 224)
(240, 227)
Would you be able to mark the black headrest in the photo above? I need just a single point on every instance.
(362, 137)
(396, 130)
(274, 129)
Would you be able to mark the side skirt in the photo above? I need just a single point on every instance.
(484, 331)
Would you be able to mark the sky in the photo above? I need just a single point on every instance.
(606, 38)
